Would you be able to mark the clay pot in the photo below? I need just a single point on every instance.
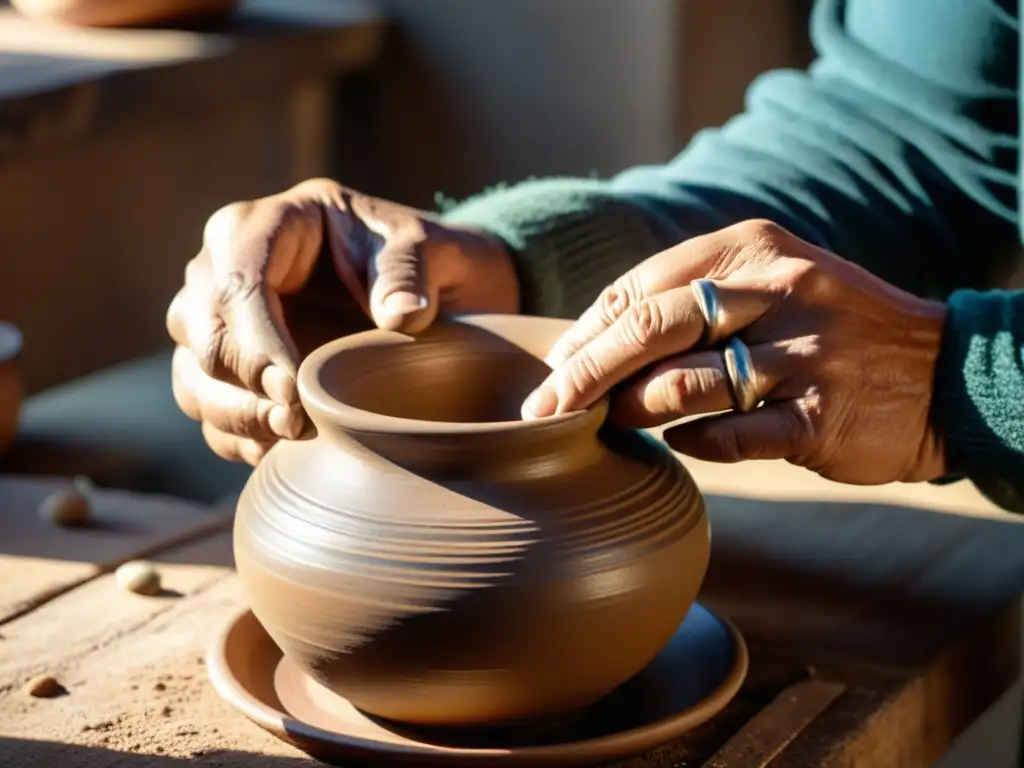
(11, 386)
(440, 562)
(124, 13)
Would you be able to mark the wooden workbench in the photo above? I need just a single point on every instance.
(881, 622)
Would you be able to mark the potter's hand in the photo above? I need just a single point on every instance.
(315, 245)
(842, 362)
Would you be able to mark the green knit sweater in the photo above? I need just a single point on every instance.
(897, 149)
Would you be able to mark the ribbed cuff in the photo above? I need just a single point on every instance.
(978, 404)
(569, 238)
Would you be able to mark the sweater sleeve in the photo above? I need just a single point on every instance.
(896, 149)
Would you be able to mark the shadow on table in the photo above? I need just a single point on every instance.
(32, 753)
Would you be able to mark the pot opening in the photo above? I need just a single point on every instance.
(455, 373)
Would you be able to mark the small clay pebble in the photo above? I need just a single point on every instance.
(84, 485)
(66, 507)
(138, 577)
(160, 687)
(43, 687)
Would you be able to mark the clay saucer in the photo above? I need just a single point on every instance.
(693, 678)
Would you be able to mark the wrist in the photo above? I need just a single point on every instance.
(928, 332)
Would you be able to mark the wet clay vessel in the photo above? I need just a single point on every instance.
(437, 561)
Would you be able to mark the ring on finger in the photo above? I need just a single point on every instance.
(739, 369)
(706, 295)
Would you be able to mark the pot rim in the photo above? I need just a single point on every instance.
(315, 396)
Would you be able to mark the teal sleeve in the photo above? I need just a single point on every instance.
(979, 393)
(896, 149)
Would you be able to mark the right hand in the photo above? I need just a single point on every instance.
(272, 281)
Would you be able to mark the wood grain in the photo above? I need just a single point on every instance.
(39, 560)
(775, 727)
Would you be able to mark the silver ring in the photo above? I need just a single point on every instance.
(739, 368)
(706, 294)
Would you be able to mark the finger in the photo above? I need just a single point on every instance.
(779, 431)
(671, 268)
(257, 347)
(400, 295)
(234, 448)
(657, 327)
(251, 253)
(229, 408)
(693, 384)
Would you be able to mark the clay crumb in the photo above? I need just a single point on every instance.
(44, 687)
(105, 725)
(160, 687)
(166, 711)
(66, 507)
(138, 577)
(159, 749)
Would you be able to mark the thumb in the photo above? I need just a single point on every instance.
(402, 295)
(780, 431)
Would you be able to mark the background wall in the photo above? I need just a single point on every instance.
(477, 92)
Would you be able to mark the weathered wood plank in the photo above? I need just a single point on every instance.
(39, 560)
(775, 727)
(58, 83)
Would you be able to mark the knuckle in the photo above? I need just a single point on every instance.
(617, 298)
(224, 223)
(584, 371)
(727, 446)
(210, 355)
(680, 385)
(174, 319)
(196, 273)
(257, 423)
(316, 186)
(644, 322)
(234, 287)
(809, 281)
(761, 231)
(250, 368)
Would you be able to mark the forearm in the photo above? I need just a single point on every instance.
(902, 161)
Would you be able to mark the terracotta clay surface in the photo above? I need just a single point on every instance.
(122, 13)
(689, 682)
(438, 561)
(11, 387)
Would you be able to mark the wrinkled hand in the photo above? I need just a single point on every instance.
(306, 253)
(844, 362)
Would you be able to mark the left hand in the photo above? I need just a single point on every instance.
(843, 361)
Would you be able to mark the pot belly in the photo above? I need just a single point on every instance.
(452, 619)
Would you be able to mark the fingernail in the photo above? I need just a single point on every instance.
(286, 422)
(404, 303)
(542, 402)
(279, 386)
